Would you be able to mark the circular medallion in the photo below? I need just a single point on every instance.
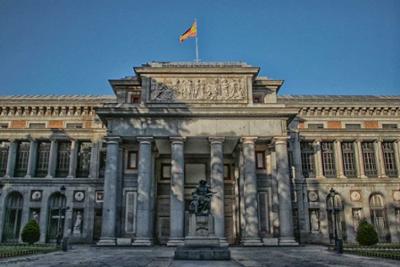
(396, 195)
(355, 196)
(79, 196)
(36, 195)
(313, 196)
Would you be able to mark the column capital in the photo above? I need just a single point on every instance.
(145, 140)
(248, 139)
(112, 139)
(280, 140)
(177, 139)
(216, 139)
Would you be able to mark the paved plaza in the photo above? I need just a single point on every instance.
(87, 256)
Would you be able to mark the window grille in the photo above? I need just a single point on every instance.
(84, 153)
(64, 150)
(74, 125)
(389, 126)
(348, 156)
(307, 159)
(42, 159)
(12, 217)
(328, 159)
(389, 159)
(3, 157)
(369, 159)
(21, 164)
(36, 125)
(315, 126)
(352, 126)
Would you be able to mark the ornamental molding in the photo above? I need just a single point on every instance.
(221, 89)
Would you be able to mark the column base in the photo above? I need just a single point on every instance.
(28, 176)
(223, 242)
(270, 241)
(363, 177)
(106, 242)
(175, 242)
(252, 242)
(288, 242)
(142, 242)
(49, 176)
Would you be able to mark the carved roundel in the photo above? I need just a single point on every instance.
(79, 196)
(36, 195)
(313, 196)
(396, 195)
(355, 195)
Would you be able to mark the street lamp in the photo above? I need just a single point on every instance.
(333, 196)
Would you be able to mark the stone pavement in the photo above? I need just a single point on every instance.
(87, 256)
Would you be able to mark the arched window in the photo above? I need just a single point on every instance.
(12, 218)
(56, 219)
(334, 208)
(378, 216)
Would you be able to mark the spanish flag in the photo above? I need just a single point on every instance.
(191, 32)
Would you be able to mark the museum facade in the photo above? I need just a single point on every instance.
(120, 170)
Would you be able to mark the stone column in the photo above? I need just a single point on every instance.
(12, 157)
(217, 186)
(110, 193)
(30, 172)
(359, 160)
(285, 200)
(318, 160)
(379, 159)
(252, 236)
(177, 197)
(297, 156)
(143, 214)
(73, 157)
(397, 156)
(339, 159)
(51, 170)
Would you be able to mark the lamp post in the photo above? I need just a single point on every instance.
(335, 210)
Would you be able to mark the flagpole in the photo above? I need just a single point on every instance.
(197, 45)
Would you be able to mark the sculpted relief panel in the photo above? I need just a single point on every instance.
(221, 89)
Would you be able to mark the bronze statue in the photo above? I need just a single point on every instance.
(200, 204)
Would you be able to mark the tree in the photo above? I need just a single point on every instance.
(31, 232)
(366, 234)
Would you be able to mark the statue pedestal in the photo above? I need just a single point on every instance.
(201, 243)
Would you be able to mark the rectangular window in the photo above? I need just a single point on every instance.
(63, 154)
(227, 172)
(328, 159)
(348, 156)
(132, 160)
(352, 126)
(102, 161)
(21, 164)
(166, 171)
(260, 159)
(74, 125)
(36, 125)
(42, 163)
(83, 160)
(369, 159)
(307, 159)
(389, 126)
(389, 159)
(315, 126)
(135, 99)
(3, 157)
(3, 125)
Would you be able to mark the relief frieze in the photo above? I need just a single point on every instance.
(218, 89)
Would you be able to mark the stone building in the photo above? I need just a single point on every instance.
(120, 170)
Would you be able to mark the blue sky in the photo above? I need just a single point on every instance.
(316, 46)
